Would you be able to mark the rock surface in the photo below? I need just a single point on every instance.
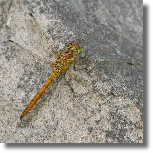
(107, 102)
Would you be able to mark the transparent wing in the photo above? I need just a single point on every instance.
(104, 78)
(42, 40)
(31, 38)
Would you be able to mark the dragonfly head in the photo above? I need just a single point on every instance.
(74, 46)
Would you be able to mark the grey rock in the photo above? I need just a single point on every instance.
(107, 102)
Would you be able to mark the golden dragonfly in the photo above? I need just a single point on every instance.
(63, 60)
(61, 64)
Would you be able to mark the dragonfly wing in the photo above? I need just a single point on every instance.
(31, 37)
(30, 52)
(46, 41)
(109, 73)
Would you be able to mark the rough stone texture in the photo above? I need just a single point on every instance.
(108, 97)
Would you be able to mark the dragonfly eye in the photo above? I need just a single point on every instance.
(77, 47)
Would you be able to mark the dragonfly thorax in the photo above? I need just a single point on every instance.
(74, 46)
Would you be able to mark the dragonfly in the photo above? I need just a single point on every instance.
(59, 66)
(63, 60)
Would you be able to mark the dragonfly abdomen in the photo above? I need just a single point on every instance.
(39, 93)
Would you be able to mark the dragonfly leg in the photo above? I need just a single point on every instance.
(74, 66)
(68, 83)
